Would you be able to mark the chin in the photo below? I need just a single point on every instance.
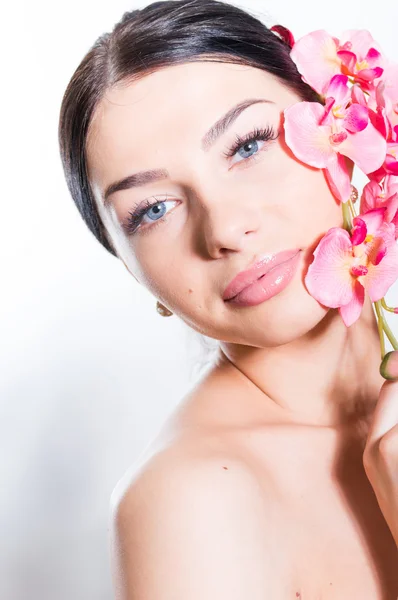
(285, 322)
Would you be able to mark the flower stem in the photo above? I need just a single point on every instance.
(352, 209)
(383, 326)
(347, 223)
(389, 334)
(380, 328)
(389, 308)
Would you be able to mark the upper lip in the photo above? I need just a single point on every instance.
(262, 265)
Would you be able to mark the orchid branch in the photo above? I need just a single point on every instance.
(382, 325)
(385, 325)
(357, 118)
(380, 328)
(347, 222)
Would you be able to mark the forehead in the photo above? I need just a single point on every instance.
(139, 120)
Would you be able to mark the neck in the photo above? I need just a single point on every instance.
(328, 378)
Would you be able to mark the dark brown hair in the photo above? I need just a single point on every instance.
(160, 35)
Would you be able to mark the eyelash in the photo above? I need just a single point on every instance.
(257, 134)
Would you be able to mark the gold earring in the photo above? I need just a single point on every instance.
(162, 310)
(354, 194)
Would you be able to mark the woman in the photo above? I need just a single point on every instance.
(255, 487)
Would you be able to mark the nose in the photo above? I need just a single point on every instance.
(226, 223)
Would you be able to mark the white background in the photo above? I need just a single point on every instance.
(88, 369)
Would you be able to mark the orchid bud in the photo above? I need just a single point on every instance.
(389, 365)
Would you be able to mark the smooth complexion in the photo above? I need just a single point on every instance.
(220, 213)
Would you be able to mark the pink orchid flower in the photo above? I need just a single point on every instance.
(346, 264)
(319, 56)
(361, 57)
(322, 135)
(375, 195)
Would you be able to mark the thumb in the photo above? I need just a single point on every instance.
(385, 416)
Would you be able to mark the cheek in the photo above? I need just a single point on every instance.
(312, 209)
(314, 201)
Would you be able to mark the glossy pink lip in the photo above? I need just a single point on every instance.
(265, 264)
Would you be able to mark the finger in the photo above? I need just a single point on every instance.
(385, 416)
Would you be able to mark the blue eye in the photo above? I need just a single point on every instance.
(135, 217)
(257, 134)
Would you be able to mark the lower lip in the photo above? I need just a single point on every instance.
(268, 285)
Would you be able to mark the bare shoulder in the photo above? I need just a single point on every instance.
(192, 436)
(199, 463)
(192, 525)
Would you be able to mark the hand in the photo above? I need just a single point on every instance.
(380, 457)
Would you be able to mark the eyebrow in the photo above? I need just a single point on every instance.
(208, 140)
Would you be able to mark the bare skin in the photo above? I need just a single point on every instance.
(328, 536)
(293, 390)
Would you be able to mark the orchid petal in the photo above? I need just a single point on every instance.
(373, 56)
(307, 140)
(380, 121)
(392, 208)
(347, 46)
(315, 55)
(338, 177)
(361, 40)
(379, 93)
(378, 252)
(391, 185)
(351, 312)
(381, 277)
(348, 59)
(357, 95)
(390, 81)
(328, 278)
(359, 231)
(374, 219)
(391, 164)
(366, 148)
(326, 119)
(395, 223)
(339, 90)
(356, 119)
(377, 175)
(370, 74)
(370, 197)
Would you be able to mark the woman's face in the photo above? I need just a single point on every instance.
(214, 214)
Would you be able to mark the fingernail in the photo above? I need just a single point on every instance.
(389, 365)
